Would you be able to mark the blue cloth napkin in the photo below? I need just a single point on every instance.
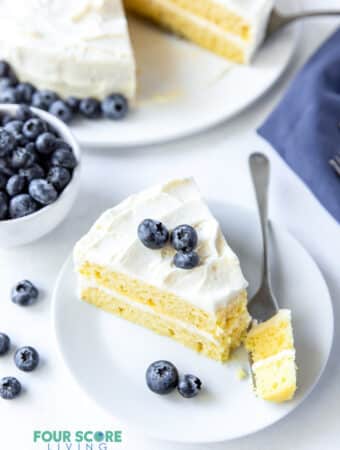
(305, 127)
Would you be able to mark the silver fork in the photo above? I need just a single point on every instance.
(277, 21)
(263, 305)
(335, 163)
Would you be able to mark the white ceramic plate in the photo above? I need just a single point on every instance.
(184, 89)
(108, 356)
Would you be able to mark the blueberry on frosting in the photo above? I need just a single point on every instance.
(153, 234)
(184, 238)
(186, 260)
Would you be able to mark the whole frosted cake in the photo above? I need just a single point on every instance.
(204, 308)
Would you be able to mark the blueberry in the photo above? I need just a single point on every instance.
(3, 180)
(32, 173)
(24, 293)
(5, 167)
(7, 142)
(22, 205)
(25, 92)
(33, 127)
(42, 191)
(189, 386)
(61, 110)
(4, 343)
(153, 234)
(15, 127)
(5, 118)
(6, 82)
(24, 113)
(59, 177)
(90, 108)
(73, 103)
(9, 95)
(46, 143)
(162, 377)
(115, 106)
(186, 260)
(63, 158)
(23, 157)
(3, 205)
(15, 185)
(64, 145)
(26, 359)
(184, 238)
(44, 99)
(10, 388)
(4, 69)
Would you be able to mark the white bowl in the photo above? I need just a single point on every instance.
(16, 232)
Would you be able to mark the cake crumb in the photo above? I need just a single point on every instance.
(242, 374)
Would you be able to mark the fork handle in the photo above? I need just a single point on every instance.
(260, 173)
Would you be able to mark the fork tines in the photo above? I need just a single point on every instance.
(335, 163)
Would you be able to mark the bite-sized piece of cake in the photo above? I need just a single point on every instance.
(201, 303)
(271, 345)
(73, 47)
(233, 29)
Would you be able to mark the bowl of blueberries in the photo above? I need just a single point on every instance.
(39, 173)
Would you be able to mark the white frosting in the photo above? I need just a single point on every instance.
(290, 354)
(75, 47)
(113, 243)
(84, 283)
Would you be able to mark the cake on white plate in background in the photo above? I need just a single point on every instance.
(82, 48)
(160, 260)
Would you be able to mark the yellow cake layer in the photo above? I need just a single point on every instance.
(271, 337)
(275, 377)
(215, 38)
(159, 324)
(232, 320)
(208, 10)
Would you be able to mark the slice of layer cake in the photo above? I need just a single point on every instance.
(233, 29)
(204, 308)
(74, 47)
(271, 345)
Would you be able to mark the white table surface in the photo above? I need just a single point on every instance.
(218, 160)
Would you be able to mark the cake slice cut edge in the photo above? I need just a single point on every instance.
(119, 275)
(271, 345)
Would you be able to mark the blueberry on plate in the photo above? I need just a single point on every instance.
(44, 99)
(22, 205)
(4, 343)
(61, 110)
(25, 92)
(162, 377)
(23, 157)
(90, 108)
(153, 234)
(189, 386)
(33, 127)
(26, 358)
(59, 177)
(73, 103)
(10, 388)
(7, 142)
(9, 95)
(42, 191)
(186, 260)
(33, 172)
(4, 69)
(184, 238)
(63, 158)
(115, 106)
(4, 206)
(24, 293)
(46, 143)
(15, 185)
